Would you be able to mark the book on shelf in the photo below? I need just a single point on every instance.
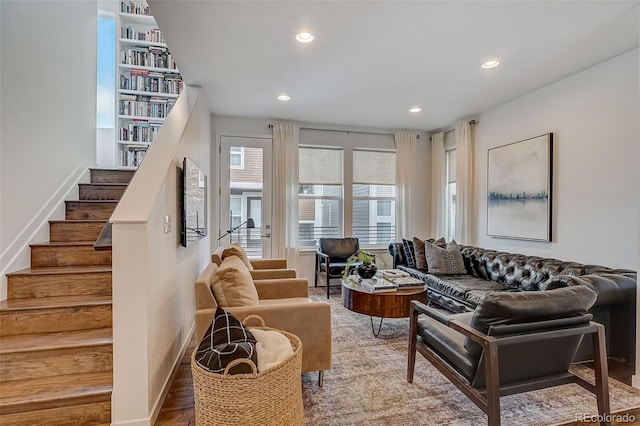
(374, 285)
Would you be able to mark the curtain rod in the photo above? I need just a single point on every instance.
(346, 131)
(472, 122)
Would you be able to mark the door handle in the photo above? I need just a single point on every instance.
(266, 235)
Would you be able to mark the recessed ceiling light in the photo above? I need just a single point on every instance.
(304, 36)
(491, 64)
(415, 109)
(284, 97)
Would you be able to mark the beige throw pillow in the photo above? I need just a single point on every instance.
(237, 250)
(444, 261)
(232, 284)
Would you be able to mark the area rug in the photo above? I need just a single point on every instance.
(367, 385)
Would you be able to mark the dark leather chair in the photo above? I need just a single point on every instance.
(331, 257)
(513, 342)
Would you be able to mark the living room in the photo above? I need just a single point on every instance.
(592, 112)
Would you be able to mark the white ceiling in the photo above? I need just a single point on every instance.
(371, 61)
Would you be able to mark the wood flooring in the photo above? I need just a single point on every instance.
(178, 408)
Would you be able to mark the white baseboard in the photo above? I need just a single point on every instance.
(635, 381)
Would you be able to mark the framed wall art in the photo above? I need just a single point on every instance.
(519, 189)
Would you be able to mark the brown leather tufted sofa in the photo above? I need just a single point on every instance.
(490, 270)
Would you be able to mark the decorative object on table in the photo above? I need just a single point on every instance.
(272, 397)
(374, 285)
(364, 264)
(519, 182)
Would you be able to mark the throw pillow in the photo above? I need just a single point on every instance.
(444, 261)
(232, 284)
(236, 249)
(421, 260)
(409, 253)
(506, 307)
(226, 339)
(419, 249)
(273, 348)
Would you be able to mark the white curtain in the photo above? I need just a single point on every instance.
(284, 224)
(464, 183)
(438, 184)
(405, 184)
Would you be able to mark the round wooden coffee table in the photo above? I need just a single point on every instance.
(394, 304)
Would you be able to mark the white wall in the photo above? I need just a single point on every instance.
(594, 118)
(259, 127)
(153, 276)
(48, 115)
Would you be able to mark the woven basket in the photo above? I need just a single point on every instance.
(271, 397)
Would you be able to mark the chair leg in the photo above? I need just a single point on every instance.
(328, 282)
(320, 378)
(601, 374)
(492, 378)
(411, 361)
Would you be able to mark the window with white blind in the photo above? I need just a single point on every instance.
(374, 197)
(319, 194)
(450, 195)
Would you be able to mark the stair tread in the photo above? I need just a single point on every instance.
(30, 391)
(60, 270)
(58, 340)
(118, 184)
(93, 201)
(53, 302)
(83, 221)
(63, 244)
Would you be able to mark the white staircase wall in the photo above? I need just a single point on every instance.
(153, 275)
(47, 116)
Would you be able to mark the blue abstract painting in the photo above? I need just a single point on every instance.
(519, 189)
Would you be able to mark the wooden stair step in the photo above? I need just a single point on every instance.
(59, 281)
(60, 340)
(52, 354)
(54, 314)
(101, 191)
(89, 209)
(36, 400)
(77, 253)
(75, 230)
(111, 175)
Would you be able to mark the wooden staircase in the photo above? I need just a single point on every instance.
(55, 326)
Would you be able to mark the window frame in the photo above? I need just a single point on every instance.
(450, 199)
(392, 199)
(339, 198)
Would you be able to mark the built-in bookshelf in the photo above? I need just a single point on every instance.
(148, 83)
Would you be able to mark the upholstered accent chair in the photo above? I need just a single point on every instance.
(283, 303)
(331, 257)
(260, 269)
(513, 342)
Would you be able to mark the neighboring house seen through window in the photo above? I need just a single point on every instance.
(319, 194)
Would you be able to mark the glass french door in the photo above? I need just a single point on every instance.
(245, 193)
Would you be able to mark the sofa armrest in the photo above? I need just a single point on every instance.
(282, 288)
(267, 274)
(274, 263)
(612, 289)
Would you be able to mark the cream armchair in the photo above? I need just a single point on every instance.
(263, 269)
(283, 304)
